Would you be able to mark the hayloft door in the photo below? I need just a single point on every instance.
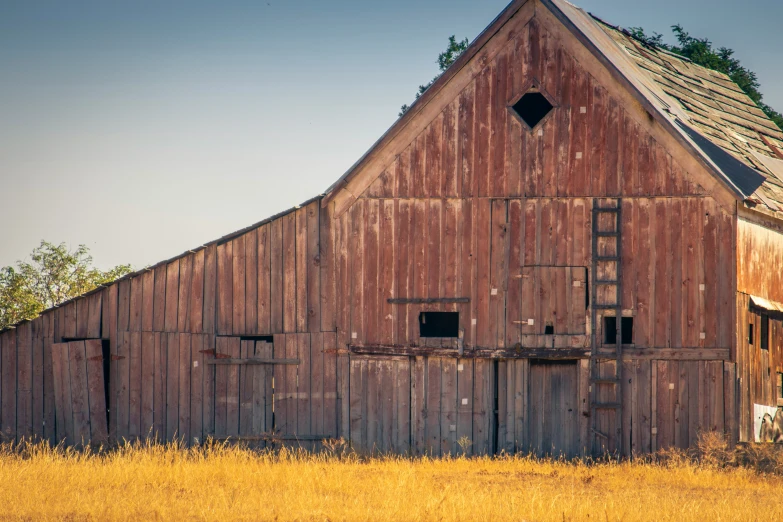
(553, 427)
(80, 391)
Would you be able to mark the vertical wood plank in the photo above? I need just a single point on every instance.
(147, 300)
(225, 288)
(184, 367)
(251, 282)
(196, 304)
(172, 295)
(264, 295)
(147, 383)
(159, 299)
(210, 288)
(238, 285)
(96, 394)
(172, 387)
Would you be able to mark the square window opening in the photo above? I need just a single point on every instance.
(439, 324)
(549, 330)
(764, 332)
(610, 330)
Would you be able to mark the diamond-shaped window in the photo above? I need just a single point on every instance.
(532, 108)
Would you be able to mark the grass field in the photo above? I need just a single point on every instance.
(148, 482)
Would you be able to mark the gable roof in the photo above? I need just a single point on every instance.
(703, 109)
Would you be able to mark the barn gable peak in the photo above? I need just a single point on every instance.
(715, 168)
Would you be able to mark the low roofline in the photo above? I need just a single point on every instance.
(219, 241)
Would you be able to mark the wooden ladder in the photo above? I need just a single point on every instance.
(601, 207)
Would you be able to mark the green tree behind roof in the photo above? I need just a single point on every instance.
(701, 52)
(53, 275)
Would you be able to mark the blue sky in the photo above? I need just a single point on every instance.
(146, 128)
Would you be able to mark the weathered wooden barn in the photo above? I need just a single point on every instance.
(571, 243)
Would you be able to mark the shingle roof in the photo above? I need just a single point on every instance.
(718, 109)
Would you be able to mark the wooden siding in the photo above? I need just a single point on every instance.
(759, 260)
(473, 205)
(591, 145)
(677, 258)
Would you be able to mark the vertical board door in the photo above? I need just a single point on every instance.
(380, 406)
(553, 427)
(80, 392)
(243, 392)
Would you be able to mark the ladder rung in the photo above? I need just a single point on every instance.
(606, 307)
(607, 258)
(607, 234)
(606, 282)
(607, 406)
(606, 209)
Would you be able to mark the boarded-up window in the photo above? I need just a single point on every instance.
(554, 299)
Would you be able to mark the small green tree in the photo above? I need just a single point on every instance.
(445, 59)
(701, 52)
(53, 275)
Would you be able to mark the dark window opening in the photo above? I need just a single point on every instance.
(610, 330)
(549, 329)
(439, 324)
(532, 108)
(750, 333)
(765, 332)
(106, 352)
(262, 338)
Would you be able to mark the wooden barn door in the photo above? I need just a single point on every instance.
(380, 404)
(80, 392)
(553, 427)
(244, 396)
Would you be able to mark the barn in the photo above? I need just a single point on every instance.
(571, 244)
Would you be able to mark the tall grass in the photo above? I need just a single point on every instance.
(221, 482)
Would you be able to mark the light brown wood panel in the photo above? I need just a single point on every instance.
(553, 414)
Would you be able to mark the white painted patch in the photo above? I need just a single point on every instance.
(671, 385)
(452, 427)
(473, 322)
(758, 415)
(531, 322)
(494, 291)
(460, 367)
(353, 335)
(540, 132)
(702, 287)
(465, 401)
(583, 110)
(702, 335)
(577, 284)
(195, 364)
(654, 431)
(578, 155)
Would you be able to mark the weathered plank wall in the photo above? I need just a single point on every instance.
(759, 262)
(470, 205)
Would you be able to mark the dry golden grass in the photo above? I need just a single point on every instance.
(149, 482)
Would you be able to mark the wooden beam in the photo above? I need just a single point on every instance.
(428, 300)
(274, 437)
(254, 362)
(479, 353)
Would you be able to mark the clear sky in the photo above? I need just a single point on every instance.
(144, 128)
